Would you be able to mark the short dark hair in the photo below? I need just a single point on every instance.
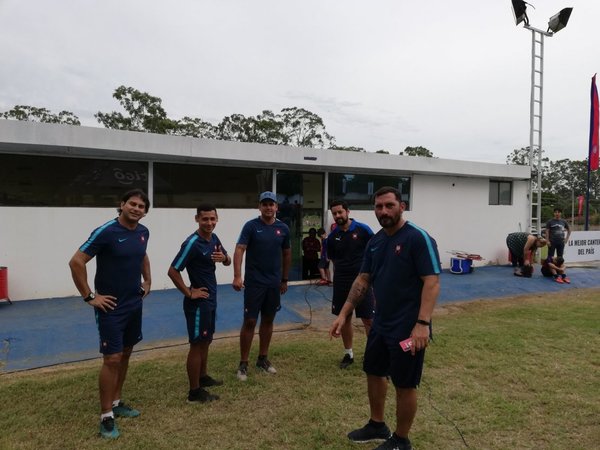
(205, 207)
(557, 210)
(560, 260)
(321, 231)
(338, 202)
(135, 193)
(388, 190)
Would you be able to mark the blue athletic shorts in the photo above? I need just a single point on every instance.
(119, 329)
(261, 299)
(200, 318)
(383, 357)
(364, 310)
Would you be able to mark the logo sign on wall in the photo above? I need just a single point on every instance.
(583, 246)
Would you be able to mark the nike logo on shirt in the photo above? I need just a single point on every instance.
(122, 239)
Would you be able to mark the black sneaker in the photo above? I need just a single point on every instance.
(208, 381)
(202, 396)
(395, 442)
(346, 361)
(370, 433)
(265, 364)
(108, 428)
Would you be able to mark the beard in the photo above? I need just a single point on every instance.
(388, 221)
(341, 221)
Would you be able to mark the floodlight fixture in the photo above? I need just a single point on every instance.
(559, 21)
(519, 7)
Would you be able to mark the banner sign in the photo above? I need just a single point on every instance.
(583, 246)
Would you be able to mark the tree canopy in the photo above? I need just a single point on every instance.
(43, 115)
(417, 151)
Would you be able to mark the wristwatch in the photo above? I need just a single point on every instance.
(91, 296)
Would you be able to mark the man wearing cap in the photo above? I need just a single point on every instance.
(266, 242)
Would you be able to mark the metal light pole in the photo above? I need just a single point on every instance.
(556, 23)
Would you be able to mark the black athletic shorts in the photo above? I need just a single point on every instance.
(384, 357)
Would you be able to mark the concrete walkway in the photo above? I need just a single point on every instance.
(39, 333)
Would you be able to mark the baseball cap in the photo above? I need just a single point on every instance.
(267, 195)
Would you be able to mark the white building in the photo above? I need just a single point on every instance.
(59, 182)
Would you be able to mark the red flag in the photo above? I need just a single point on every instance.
(593, 151)
(580, 204)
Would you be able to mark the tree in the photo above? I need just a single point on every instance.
(302, 128)
(43, 115)
(348, 149)
(195, 127)
(385, 152)
(235, 128)
(145, 113)
(417, 151)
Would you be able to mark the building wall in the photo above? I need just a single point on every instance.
(37, 243)
(449, 198)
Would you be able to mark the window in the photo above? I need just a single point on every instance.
(188, 185)
(358, 189)
(500, 192)
(56, 181)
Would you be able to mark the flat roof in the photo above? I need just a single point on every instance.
(32, 138)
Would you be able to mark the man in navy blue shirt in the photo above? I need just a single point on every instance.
(401, 263)
(266, 242)
(345, 247)
(121, 263)
(199, 254)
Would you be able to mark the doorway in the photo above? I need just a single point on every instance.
(301, 209)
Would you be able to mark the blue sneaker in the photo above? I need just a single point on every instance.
(123, 410)
(108, 428)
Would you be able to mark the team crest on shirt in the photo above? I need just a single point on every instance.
(204, 333)
(278, 232)
(143, 238)
(398, 249)
(354, 235)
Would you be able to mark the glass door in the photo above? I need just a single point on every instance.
(301, 209)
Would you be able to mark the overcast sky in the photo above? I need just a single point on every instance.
(452, 76)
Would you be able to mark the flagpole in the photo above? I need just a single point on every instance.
(593, 161)
(587, 199)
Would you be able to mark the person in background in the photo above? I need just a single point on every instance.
(345, 247)
(310, 255)
(324, 260)
(557, 234)
(522, 246)
(198, 255)
(555, 267)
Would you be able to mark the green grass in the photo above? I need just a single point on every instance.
(514, 373)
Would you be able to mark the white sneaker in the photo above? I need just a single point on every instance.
(242, 372)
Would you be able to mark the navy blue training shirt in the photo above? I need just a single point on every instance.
(264, 244)
(195, 257)
(346, 248)
(119, 254)
(396, 264)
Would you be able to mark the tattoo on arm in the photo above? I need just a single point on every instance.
(359, 289)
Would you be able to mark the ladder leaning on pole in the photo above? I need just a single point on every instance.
(535, 128)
